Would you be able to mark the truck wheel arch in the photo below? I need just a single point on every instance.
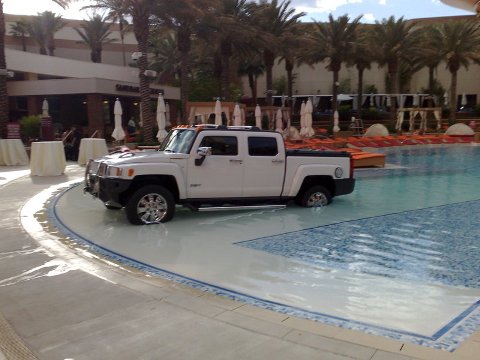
(167, 181)
(310, 181)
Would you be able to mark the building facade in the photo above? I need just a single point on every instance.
(78, 91)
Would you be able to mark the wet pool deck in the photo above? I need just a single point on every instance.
(60, 302)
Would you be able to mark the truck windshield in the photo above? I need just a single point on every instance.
(178, 141)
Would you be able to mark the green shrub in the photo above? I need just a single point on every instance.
(30, 127)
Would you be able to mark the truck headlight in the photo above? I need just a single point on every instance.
(114, 171)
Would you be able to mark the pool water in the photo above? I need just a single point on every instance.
(398, 257)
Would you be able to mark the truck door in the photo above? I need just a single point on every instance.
(221, 173)
(264, 166)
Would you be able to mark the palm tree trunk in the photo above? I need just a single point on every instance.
(394, 90)
(289, 69)
(431, 79)
(269, 59)
(226, 53)
(184, 70)
(3, 78)
(360, 92)
(184, 45)
(335, 91)
(453, 97)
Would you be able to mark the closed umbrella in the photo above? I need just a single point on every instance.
(446, 98)
(218, 112)
(118, 132)
(309, 119)
(464, 99)
(45, 108)
(258, 117)
(167, 115)
(336, 119)
(161, 118)
(303, 126)
(279, 121)
(416, 100)
(237, 116)
(400, 117)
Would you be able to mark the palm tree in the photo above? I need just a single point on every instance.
(232, 35)
(20, 30)
(392, 43)
(183, 18)
(458, 44)
(95, 33)
(45, 25)
(252, 66)
(429, 59)
(116, 12)
(275, 21)
(166, 58)
(37, 32)
(334, 41)
(4, 113)
(362, 59)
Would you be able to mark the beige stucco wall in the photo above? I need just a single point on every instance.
(317, 80)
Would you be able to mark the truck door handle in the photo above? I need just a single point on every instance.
(277, 161)
(236, 161)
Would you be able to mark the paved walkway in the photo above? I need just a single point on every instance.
(58, 301)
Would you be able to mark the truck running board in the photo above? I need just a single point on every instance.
(247, 207)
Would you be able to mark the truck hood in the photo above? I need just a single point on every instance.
(140, 157)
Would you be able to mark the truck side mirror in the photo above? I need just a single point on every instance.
(203, 152)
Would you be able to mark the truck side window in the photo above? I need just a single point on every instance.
(221, 145)
(262, 146)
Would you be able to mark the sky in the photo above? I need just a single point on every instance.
(371, 10)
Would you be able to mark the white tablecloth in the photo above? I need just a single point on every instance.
(47, 158)
(91, 148)
(12, 152)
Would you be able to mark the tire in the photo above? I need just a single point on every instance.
(150, 204)
(315, 196)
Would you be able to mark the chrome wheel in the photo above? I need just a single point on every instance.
(315, 196)
(152, 208)
(150, 204)
(317, 199)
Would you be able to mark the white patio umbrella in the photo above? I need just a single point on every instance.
(161, 118)
(416, 100)
(464, 99)
(279, 121)
(258, 117)
(400, 117)
(303, 128)
(446, 98)
(45, 108)
(371, 100)
(336, 120)
(237, 116)
(218, 112)
(309, 119)
(118, 132)
(167, 114)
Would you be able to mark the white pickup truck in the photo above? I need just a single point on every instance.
(217, 167)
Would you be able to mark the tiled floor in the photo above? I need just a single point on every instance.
(182, 322)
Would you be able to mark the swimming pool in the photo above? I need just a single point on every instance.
(398, 257)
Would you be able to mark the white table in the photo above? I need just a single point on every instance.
(12, 152)
(47, 158)
(91, 148)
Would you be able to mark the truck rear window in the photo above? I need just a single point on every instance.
(262, 146)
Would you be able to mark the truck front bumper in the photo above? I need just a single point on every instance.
(107, 189)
